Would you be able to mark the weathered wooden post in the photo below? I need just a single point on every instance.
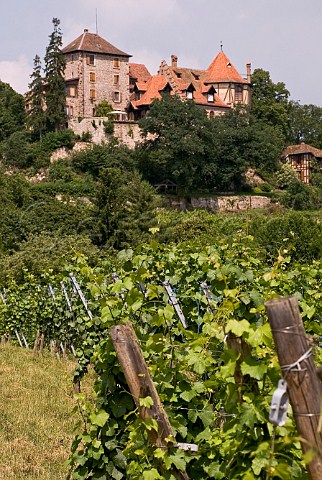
(141, 385)
(298, 368)
(37, 341)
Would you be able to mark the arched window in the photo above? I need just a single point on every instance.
(211, 115)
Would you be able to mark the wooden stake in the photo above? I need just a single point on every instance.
(42, 343)
(242, 381)
(36, 344)
(141, 385)
(304, 387)
(76, 385)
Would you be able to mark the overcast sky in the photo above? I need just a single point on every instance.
(281, 36)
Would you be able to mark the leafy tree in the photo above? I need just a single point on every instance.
(12, 111)
(179, 135)
(270, 100)
(305, 124)
(55, 84)
(36, 114)
(102, 156)
(16, 150)
(125, 207)
(103, 109)
(43, 251)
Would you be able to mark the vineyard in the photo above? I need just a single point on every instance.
(191, 309)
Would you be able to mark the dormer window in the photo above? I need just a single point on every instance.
(210, 97)
(189, 94)
(196, 75)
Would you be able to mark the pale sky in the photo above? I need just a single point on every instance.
(281, 36)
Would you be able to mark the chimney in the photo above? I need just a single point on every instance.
(85, 30)
(248, 68)
(174, 61)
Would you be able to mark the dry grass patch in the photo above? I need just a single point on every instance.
(36, 428)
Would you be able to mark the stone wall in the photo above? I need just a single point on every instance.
(127, 132)
(231, 203)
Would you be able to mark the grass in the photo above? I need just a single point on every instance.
(36, 428)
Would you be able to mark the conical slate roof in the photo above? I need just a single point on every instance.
(222, 70)
(91, 42)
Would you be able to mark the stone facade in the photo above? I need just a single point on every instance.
(231, 203)
(127, 132)
(88, 84)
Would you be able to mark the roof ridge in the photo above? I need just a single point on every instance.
(82, 40)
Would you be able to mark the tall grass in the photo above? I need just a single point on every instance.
(36, 428)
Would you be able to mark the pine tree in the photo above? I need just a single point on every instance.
(36, 114)
(54, 77)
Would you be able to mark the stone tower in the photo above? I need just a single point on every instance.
(95, 71)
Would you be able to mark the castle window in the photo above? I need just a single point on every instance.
(90, 59)
(92, 77)
(211, 115)
(92, 94)
(189, 94)
(71, 92)
(116, 79)
(117, 63)
(210, 97)
(117, 97)
(71, 111)
(238, 93)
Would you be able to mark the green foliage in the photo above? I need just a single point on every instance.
(125, 208)
(194, 369)
(270, 101)
(12, 111)
(36, 99)
(103, 109)
(55, 83)
(17, 150)
(305, 124)
(298, 235)
(45, 252)
(102, 156)
(53, 140)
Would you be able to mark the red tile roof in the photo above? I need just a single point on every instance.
(91, 42)
(139, 72)
(300, 149)
(222, 70)
(181, 78)
(154, 86)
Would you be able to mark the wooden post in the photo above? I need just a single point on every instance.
(37, 341)
(141, 385)
(76, 384)
(242, 381)
(304, 387)
(42, 343)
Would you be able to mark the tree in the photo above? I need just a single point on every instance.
(55, 83)
(305, 124)
(103, 109)
(179, 135)
(36, 114)
(126, 207)
(12, 111)
(269, 100)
